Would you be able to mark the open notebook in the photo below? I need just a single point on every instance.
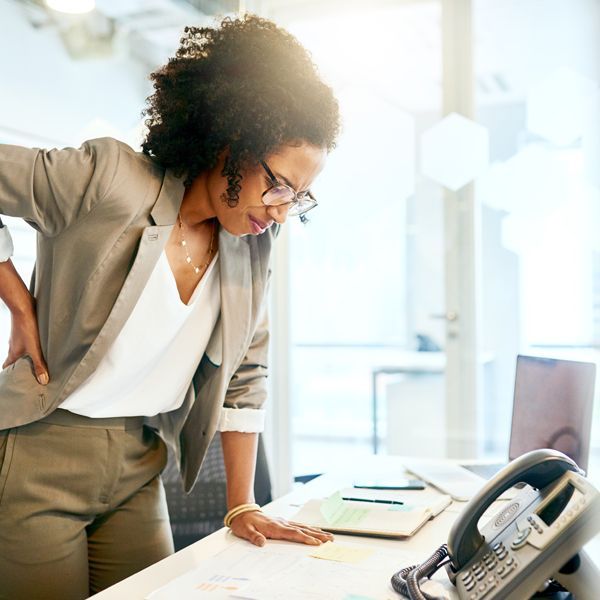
(398, 520)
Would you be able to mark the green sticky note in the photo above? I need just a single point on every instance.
(402, 507)
(357, 597)
(332, 506)
(337, 512)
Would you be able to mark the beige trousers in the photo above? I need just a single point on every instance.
(82, 505)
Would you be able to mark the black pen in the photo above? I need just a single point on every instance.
(373, 500)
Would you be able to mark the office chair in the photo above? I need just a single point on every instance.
(200, 513)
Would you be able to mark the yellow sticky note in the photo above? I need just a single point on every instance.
(341, 553)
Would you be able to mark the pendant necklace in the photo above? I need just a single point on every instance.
(188, 258)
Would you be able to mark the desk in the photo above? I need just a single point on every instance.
(420, 546)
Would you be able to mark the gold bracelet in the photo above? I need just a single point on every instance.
(238, 510)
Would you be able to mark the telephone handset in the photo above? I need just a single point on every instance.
(538, 469)
(529, 541)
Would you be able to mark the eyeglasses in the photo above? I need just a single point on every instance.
(280, 194)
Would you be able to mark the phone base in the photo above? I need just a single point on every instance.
(581, 577)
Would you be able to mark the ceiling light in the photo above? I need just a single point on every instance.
(72, 7)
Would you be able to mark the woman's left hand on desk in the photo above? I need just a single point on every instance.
(256, 527)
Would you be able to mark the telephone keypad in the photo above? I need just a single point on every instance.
(486, 574)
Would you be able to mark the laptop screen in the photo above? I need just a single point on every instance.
(552, 407)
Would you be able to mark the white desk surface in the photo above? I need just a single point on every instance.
(420, 546)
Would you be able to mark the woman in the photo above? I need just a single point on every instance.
(147, 319)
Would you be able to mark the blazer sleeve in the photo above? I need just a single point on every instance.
(51, 189)
(247, 392)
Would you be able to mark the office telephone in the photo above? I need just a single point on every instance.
(535, 539)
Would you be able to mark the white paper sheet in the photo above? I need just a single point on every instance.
(284, 571)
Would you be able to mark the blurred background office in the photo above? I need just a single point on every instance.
(459, 217)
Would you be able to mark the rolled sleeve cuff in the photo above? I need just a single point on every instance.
(6, 244)
(248, 420)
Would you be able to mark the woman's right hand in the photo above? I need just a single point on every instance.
(24, 334)
(25, 341)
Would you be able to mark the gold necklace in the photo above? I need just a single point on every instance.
(188, 258)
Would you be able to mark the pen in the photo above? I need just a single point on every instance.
(373, 500)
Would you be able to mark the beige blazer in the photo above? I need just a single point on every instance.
(103, 214)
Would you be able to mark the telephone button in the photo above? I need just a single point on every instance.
(500, 569)
(520, 538)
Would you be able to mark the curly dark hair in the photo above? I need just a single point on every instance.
(248, 86)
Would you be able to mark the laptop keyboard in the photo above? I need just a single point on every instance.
(451, 479)
(485, 471)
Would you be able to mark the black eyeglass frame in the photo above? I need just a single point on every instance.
(297, 195)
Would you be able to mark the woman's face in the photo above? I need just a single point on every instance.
(296, 166)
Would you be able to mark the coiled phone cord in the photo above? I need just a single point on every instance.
(407, 580)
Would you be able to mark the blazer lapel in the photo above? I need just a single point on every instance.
(236, 298)
(226, 349)
(152, 243)
(166, 207)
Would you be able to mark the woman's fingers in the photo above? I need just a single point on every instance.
(257, 527)
(39, 367)
(246, 529)
(295, 534)
(25, 341)
(255, 536)
(9, 361)
(324, 535)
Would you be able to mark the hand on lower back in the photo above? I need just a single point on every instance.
(25, 341)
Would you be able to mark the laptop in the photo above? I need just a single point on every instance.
(552, 408)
